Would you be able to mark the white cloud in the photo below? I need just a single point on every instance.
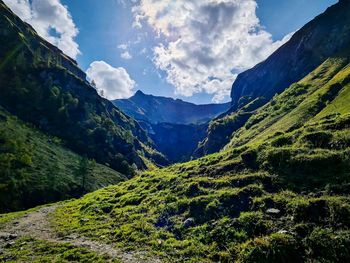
(123, 46)
(115, 82)
(206, 42)
(20, 7)
(126, 55)
(48, 16)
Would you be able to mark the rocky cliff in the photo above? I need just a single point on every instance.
(308, 48)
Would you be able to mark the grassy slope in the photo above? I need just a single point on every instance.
(37, 78)
(51, 173)
(291, 156)
(299, 104)
(32, 250)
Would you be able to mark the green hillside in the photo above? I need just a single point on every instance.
(37, 78)
(322, 94)
(278, 193)
(276, 190)
(36, 168)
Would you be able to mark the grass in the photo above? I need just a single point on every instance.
(216, 209)
(278, 192)
(32, 250)
(51, 172)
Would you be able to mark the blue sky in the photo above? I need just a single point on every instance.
(169, 48)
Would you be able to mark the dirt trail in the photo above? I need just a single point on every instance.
(36, 224)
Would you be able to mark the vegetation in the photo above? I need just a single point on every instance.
(278, 193)
(37, 169)
(32, 250)
(36, 77)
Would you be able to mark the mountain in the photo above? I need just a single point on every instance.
(175, 126)
(176, 141)
(154, 109)
(43, 86)
(36, 168)
(304, 52)
(278, 192)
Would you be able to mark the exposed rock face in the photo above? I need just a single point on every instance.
(155, 109)
(175, 126)
(323, 37)
(309, 47)
(177, 141)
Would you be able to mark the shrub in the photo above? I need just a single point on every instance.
(320, 139)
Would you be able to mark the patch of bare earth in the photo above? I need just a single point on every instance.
(36, 225)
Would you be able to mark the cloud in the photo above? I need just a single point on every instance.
(115, 82)
(205, 43)
(126, 55)
(51, 20)
(123, 46)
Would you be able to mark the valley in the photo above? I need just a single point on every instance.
(264, 178)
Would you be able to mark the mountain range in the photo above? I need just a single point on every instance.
(156, 109)
(271, 182)
(175, 126)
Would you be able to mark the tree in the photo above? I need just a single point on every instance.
(83, 171)
(85, 168)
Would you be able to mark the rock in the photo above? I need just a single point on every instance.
(8, 237)
(289, 63)
(84, 220)
(12, 236)
(273, 211)
(188, 222)
(9, 244)
(286, 232)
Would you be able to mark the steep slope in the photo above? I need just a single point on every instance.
(176, 127)
(177, 141)
(319, 96)
(278, 193)
(155, 109)
(312, 45)
(37, 169)
(37, 78)
(305, 51)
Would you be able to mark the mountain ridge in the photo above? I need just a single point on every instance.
(157, 109)
(304, 52)
(37, 77)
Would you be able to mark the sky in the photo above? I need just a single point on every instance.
(192, 50)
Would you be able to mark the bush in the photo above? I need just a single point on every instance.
(318, 139)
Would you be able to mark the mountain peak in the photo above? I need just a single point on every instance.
(139, 93)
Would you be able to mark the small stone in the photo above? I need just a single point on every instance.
(84, 220)
(188, 222)
(273, 211)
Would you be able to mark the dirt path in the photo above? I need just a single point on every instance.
(36, 224)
